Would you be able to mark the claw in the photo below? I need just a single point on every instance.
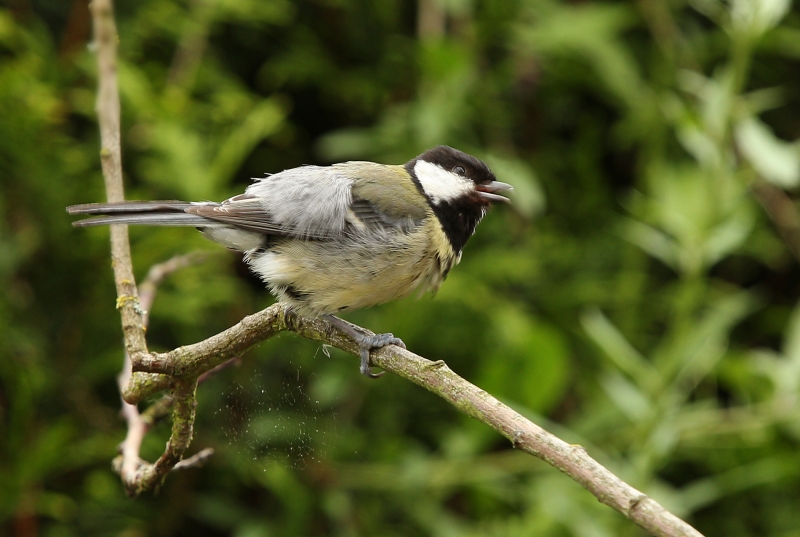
(366, 343)
(290, 317)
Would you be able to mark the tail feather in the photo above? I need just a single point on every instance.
(129, 207)
(148, 219)
(153, 213)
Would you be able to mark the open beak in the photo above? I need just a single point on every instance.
(487, 192)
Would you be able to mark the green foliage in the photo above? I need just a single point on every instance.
(636, 299)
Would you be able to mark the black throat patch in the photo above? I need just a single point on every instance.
(458, 217)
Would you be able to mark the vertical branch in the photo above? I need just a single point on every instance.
(138, 425)
(183, 414)
(136, 476)
(105, 43)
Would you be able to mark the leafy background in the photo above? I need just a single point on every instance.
(636, 299)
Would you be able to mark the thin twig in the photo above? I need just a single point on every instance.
(196, 460)
(221, 367)
(137, 429)
(156, 275)
(146, 476)
(782, 211)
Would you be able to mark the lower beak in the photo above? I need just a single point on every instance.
(487, 191)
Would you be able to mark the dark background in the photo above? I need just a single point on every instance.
(636, 299)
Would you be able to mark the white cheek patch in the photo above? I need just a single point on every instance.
(440, 184)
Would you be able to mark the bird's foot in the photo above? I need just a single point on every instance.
(290, 316)
(365, 343)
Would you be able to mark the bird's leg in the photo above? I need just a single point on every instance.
(290, 316)
(365, 343)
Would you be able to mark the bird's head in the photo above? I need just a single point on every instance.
(459, 188)
(447, 175)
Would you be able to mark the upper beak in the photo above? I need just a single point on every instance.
(487, 191)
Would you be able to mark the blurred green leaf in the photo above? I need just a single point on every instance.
(590, 32)
(628, 398)
(775, 160)
(707, 342)
(532, 353)
(652, 241)
(621, 353)
(754, 17)
(698, 494)
(528, 196)
(265, 119)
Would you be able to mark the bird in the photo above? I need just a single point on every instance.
(331, 239)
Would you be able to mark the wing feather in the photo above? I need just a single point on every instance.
(309, 202)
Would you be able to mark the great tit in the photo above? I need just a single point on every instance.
(330, 239)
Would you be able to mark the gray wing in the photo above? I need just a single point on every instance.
(323, 202)
(385, 197)
(308, 202)
(370, 216)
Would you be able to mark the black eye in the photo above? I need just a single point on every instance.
(458, 170)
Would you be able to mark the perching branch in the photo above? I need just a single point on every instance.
(178, 370)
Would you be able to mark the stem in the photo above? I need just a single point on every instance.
(105, 43)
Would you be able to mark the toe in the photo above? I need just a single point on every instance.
(381, 340)
(365, 367)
